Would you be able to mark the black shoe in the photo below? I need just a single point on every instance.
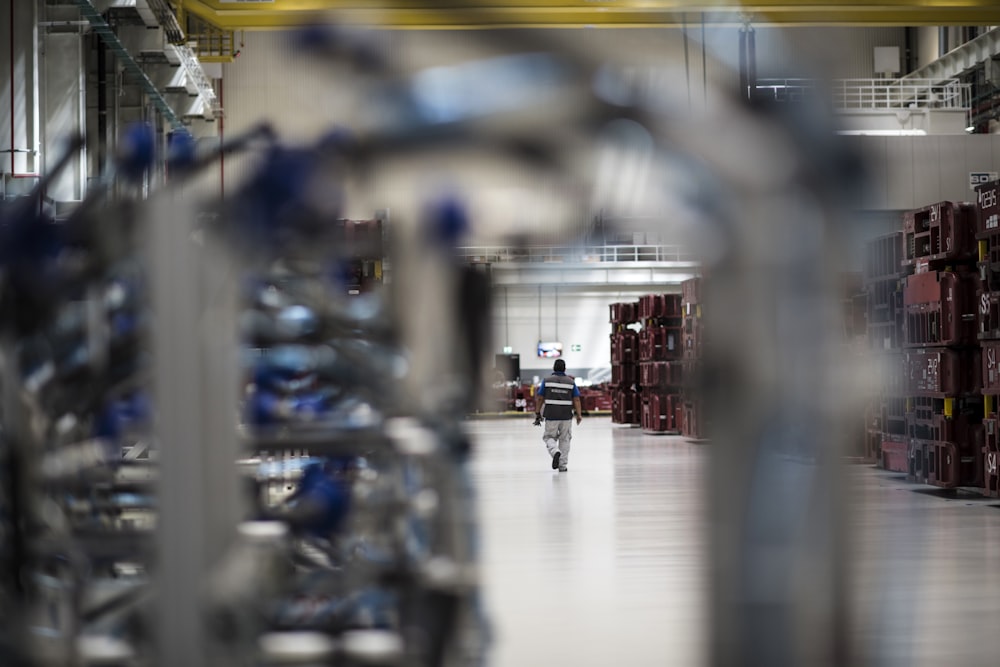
(555, 460)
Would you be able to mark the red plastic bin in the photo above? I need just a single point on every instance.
(660, 344)
(624, 375)
(893, 454)
(691, 292)
(944, 232)
(991, 367)
(661, 374)
(659, 412)
(624, 347)
(884, 257)
(991, 456)
(940, 308)
(693, 425)
(626, 407)
(943, 372)
(659, 306)
(947, 464)
(624, 313)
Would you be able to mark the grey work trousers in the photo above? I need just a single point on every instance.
(557, 436)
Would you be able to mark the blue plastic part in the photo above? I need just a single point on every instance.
(138, 150)
(447, 221)
(180, 149)
(317, 487)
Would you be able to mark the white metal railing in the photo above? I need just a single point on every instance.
(865, 94)
(576, 254)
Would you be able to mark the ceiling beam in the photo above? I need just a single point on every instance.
(453, 15)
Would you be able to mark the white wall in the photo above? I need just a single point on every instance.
(583, 319)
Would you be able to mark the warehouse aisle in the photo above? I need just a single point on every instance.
(603, 563)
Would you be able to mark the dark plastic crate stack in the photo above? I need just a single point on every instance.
(661, 375)
(660, 344)
(894, 453)
(941, 372)
(659, 412)
(941, 308)
(626, 407)
(940, 234)
(947, 464)
(988, 234)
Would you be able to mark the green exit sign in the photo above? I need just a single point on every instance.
(576, 348)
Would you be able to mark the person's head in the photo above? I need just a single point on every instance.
(559, 366)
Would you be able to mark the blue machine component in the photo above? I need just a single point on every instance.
(321, 502)
(130, 413)
(138, 150)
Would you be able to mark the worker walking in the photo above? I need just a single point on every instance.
(558, 399)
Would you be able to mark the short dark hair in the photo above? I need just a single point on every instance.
(560, 365)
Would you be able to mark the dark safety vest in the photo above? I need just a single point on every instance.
(558, 397)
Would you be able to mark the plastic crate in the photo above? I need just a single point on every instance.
(947, 464)
(927, 419)
(626, 407)
(941, 308)
(991, 456)
(943, 372)
(991, 367)
(939, 234)
(988, 315)
(691, 292)
(884, 257)
(624, 347)
(624, 376)
(660, 344)
(693, 424)
(624, 313)
(659, 412)
(893, 416)
(885, 301)
(894, 453)
(872, 446)
(988, 210)
(661, 374)
(660, 306)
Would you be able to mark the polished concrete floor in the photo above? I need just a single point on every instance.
(606, 564)
(601, 565)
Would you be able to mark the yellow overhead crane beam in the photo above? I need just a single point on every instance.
(477, 14)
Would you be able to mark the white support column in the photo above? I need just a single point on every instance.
(63, 91)
(19, 99)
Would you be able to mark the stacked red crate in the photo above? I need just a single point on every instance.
(691, 421)
(883, 277)
(660, 352)
(626, 407)
(942, 360)
(988, 306)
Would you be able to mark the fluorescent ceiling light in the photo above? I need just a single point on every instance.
(884, 133)
(970, 129)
